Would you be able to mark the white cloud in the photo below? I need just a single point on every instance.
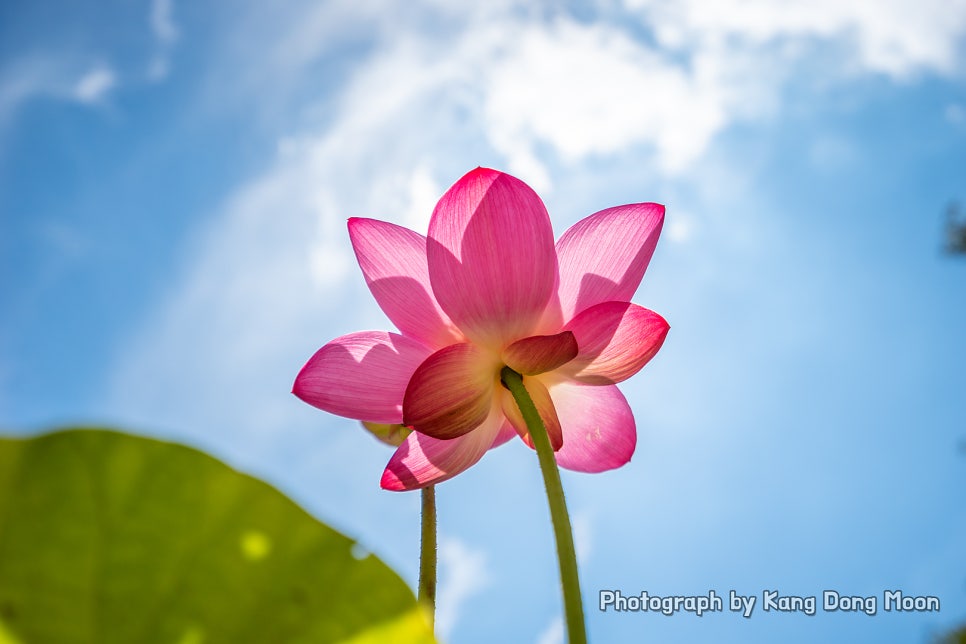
(166, 33)
(94, 85)
(894, 37)
(554, 633)
(424, 192)
(62, 78)
(546, 88)
(679, 227)
(582, 526)
(462, 575)
(591, 90)
(523, 85)
(162, 21)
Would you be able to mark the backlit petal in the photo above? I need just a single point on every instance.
(603, 257)
(491, 256)
(616, 339)
(507, 431)
(544, 404)
(598, 427)
(423, 460)
(540, 353)
(450, 393)
(361, 375)
(393, 261)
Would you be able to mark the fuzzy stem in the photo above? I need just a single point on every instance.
(427, 553)
(566, 555)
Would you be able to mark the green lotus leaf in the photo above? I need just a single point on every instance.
(111, 538)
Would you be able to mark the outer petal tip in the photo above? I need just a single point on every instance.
(604, 256)
(492, 262)
(391, 482)
(361, 375)
(422, 460)
(616, 340)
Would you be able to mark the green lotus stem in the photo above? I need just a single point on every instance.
(427, 553)
(566, 555)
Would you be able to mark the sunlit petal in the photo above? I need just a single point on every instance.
(491, 257)
(616, 340)
(603, 257)
(361, 375)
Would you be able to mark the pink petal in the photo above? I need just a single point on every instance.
(544, 404)
(540, 353)
(451, 392)
(423, 460)
(507, 431)
(603, 257)
(492, 262)
(362, 375)
(393, 261)
(598, 427)
(616, 340)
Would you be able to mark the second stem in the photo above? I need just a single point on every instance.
(427, 553)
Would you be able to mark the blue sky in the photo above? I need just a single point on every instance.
(174, 183)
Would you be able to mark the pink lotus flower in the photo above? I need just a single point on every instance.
(489, 288)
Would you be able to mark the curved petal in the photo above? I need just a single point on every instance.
(542, 401)
(451, 392)
(507, 431)
(491, 256)
(423, 460)
(361, 375)
(393, 261)
(603, 257)
(540, 353)
(616, 340)
(598, 427)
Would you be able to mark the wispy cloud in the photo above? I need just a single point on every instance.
(93, 86)
(583, 532)
(554, 633)
(52, 77)
(463, 575)
(893, 37)
(550, 88)
(166, 33)
(162, 21)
